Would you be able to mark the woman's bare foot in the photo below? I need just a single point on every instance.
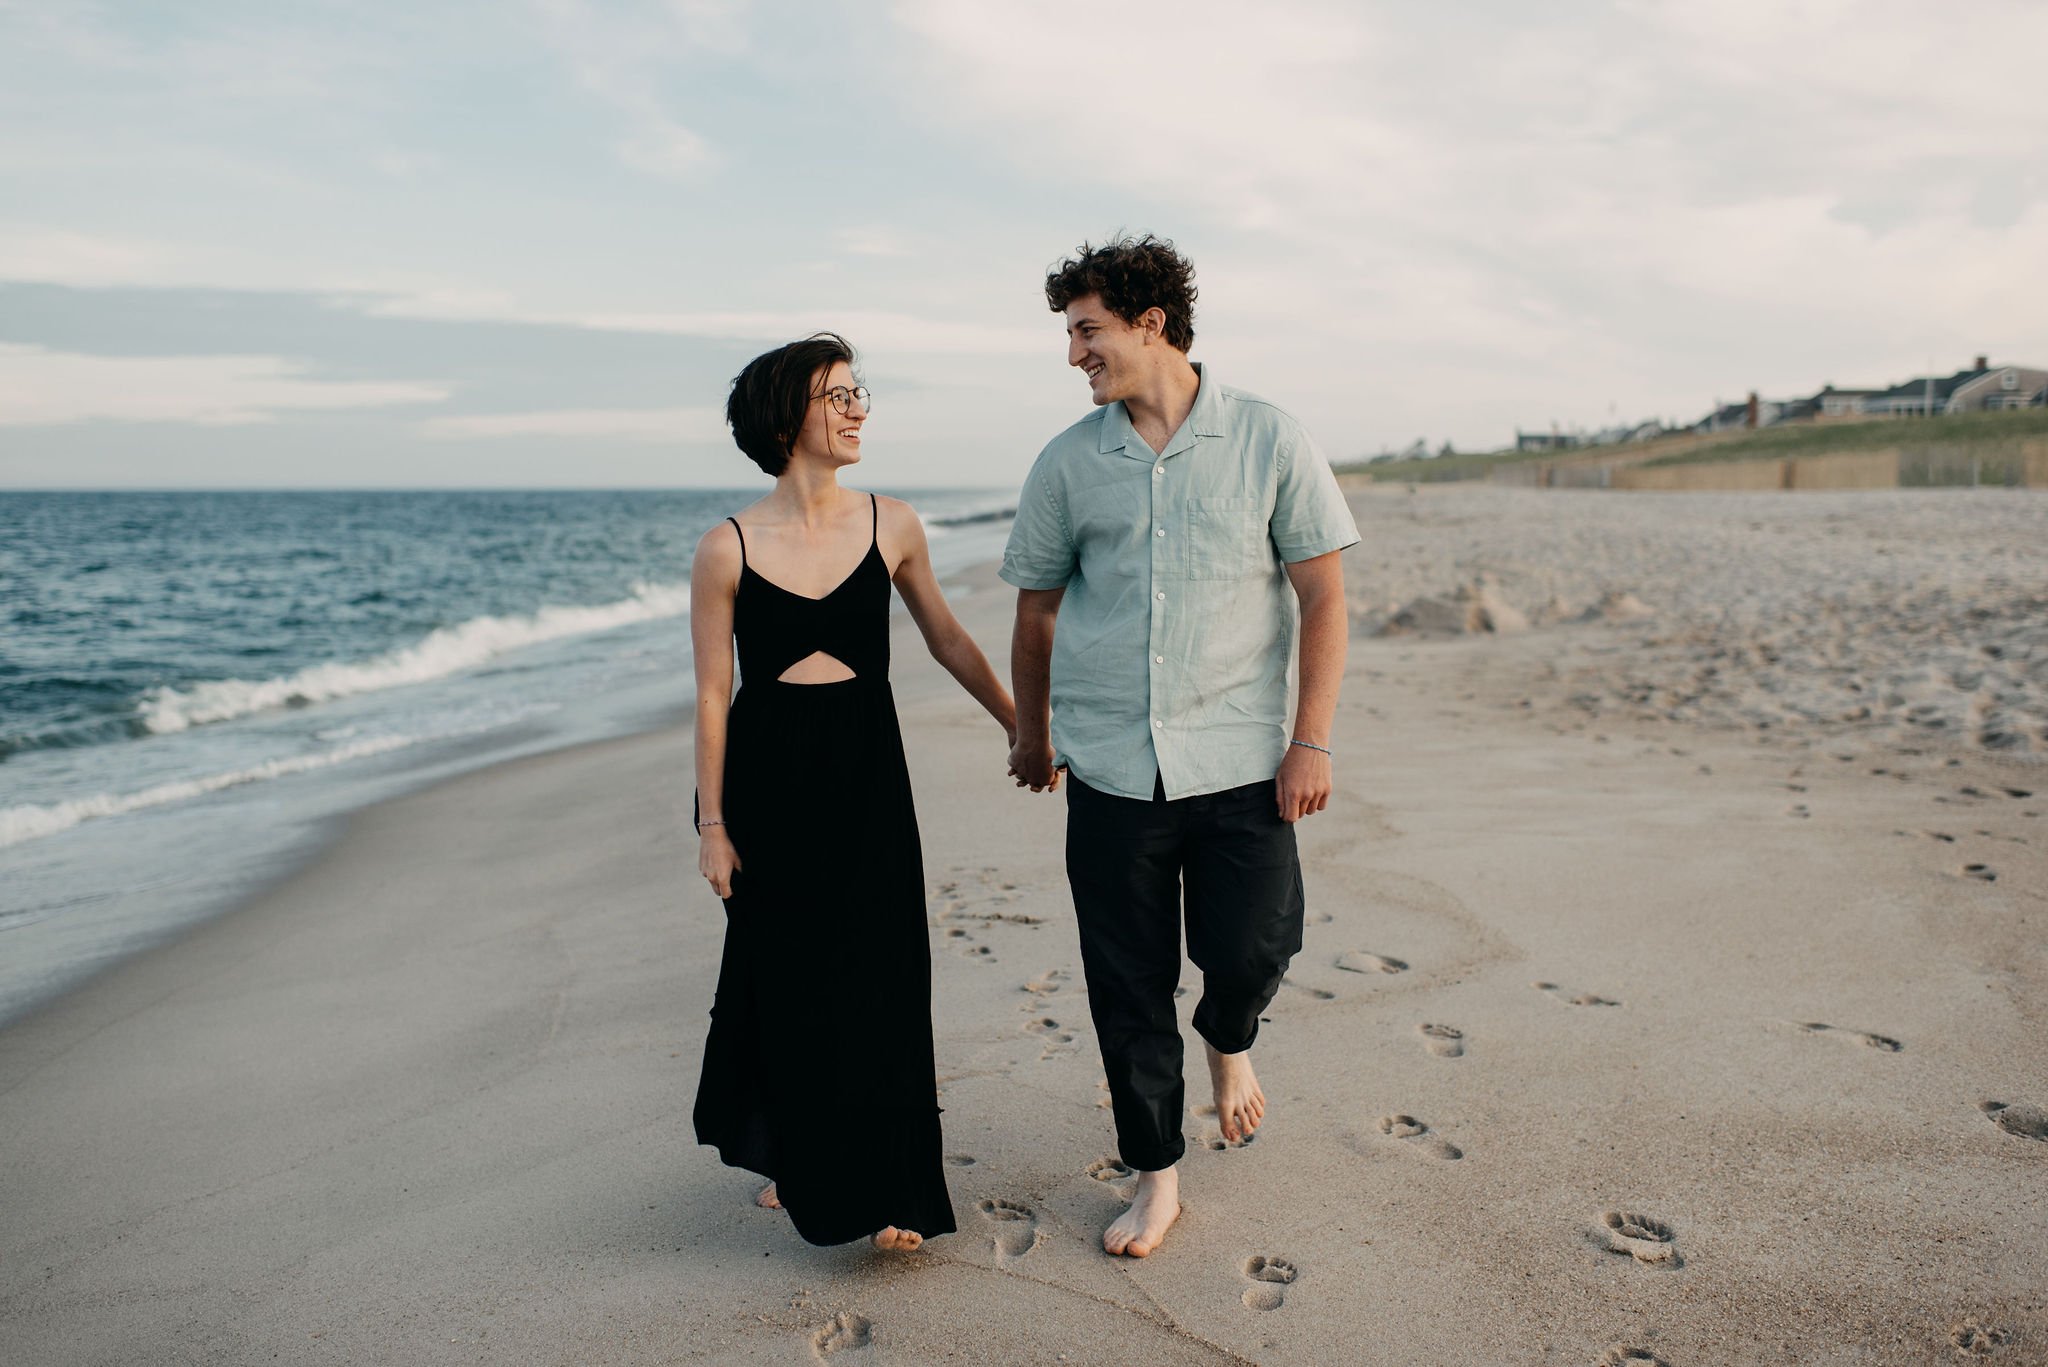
(1154, 1208)
(768, 1200)
(1240, 1105)
(893, 1240)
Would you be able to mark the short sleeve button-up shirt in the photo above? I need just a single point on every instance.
(1176, 631)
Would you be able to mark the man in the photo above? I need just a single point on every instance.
(1168, 536)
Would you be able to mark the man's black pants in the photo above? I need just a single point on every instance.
(1130, 863)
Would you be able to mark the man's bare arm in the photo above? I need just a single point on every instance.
(1031, 685)
(1303, 784)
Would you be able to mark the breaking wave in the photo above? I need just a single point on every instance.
(448, 650)
(18, 824)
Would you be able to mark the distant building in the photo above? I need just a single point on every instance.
(1927, 396)
(1840, 403)
(2010, 386)
(1552, 440)
(1751, 412)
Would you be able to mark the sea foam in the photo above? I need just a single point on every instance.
(30, 822)
(448, 650)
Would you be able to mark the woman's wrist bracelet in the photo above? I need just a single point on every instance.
(702, 824)
(1311, 745)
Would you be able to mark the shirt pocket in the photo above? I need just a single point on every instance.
(1224, 537)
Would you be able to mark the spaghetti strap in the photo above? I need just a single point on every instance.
(875, 518)
(743, 540)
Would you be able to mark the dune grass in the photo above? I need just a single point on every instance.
(1955, 437)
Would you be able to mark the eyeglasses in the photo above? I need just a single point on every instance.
(842, 398)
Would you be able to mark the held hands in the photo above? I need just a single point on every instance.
(1031, 765)
(1302, 787)
(717, 860)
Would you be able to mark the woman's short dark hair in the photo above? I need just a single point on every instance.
(771, 396)
(1131, 275)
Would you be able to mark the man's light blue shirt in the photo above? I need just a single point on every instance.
(1172, 648)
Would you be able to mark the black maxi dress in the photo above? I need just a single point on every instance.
(818, 1071)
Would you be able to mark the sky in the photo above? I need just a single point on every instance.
(527, 243)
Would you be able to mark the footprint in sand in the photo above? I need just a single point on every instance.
(1445, 1041)
(1359, 961)
(1973, 1339)
(1047, 983)
(1884, 1043)
(1621, 1355)
(1983, 873)
(2023, 1120)
(1645, 1238)
(1571, 998)
(1057, 1038)
(1799, 809)
(1113, 1174)
(1269, 1278)
(1320, 918)
(1015, 1226)
(843, 1331)
(1419, 1137)
(960, 1160)
(1318, 993)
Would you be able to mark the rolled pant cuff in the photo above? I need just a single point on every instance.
(1207, 1030)
(1156, 1161)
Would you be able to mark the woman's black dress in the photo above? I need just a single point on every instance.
(818, 1071)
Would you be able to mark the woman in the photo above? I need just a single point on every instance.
(818, 1072)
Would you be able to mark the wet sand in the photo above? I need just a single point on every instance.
(1627, 1029)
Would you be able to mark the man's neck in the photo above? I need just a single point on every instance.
(1162, 405)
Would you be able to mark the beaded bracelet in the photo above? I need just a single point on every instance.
(702, 824)
(1311, 745)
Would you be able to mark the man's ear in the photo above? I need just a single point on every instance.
(1153, 322)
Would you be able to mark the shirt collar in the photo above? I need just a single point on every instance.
(1205, 419)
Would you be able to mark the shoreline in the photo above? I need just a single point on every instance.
(89, 903)
(428, 1100)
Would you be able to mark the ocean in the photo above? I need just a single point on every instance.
(194, 686)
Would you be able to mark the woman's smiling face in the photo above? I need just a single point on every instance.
(828, 434)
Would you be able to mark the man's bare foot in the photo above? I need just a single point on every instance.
(893, 1240)
(1240, 1105)
(1137, 1231)
(768, 1200)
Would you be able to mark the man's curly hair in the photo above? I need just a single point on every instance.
(1132, 275)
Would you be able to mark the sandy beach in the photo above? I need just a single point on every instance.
(1674, 992)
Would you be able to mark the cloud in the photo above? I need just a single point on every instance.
(620, 56)
(40, 387)
(614, 424)
(868, 329)
(1493, 208)
(873, 240)
(661, 147)
(61, 256)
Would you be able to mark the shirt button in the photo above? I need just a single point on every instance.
(1160, 532)
(1160, 596)
(1158, 725)
(1159, 659)
(1159, 469)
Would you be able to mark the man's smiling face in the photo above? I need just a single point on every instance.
(1105, 348)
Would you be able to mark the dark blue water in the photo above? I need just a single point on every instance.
(191, 683)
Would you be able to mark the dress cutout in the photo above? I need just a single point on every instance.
(818, 1070)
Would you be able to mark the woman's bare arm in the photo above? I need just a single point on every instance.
(714, 580)
(947, 640)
